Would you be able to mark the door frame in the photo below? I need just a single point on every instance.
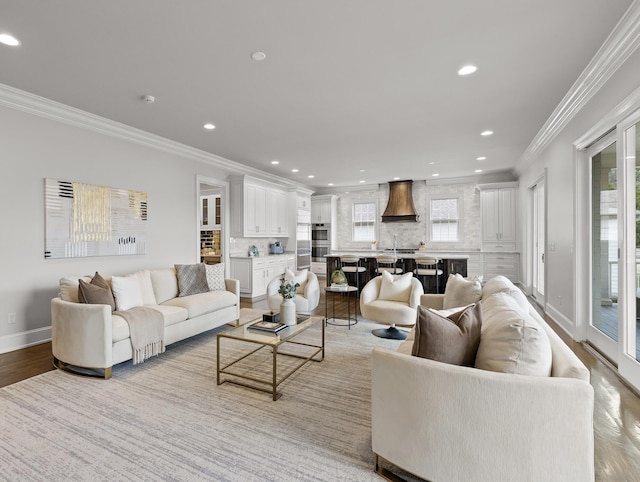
(540, 298)
(225, 213)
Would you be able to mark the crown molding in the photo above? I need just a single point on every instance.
(49, 109)
(623, 40)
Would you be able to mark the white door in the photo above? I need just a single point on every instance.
(538, 241)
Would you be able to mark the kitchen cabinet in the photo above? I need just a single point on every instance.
(258, 210)
(505, 264)
(278, 213)
(210, 216)
(498, 203)
(303, 201)
(321, 210)
(255, 273)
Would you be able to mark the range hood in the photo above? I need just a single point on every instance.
(400, 208)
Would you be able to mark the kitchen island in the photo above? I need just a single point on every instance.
(450, 263)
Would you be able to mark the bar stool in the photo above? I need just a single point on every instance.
(352, 267)
(426, 267)
(388, 263)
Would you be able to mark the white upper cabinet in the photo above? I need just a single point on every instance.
(304, 202)
(323, 209)
(257, 210)
(499, 217)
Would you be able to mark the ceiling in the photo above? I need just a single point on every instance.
(350, 91)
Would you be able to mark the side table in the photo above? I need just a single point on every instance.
(349, 290)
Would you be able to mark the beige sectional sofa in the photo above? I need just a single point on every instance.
(446, 422)
(91, 336)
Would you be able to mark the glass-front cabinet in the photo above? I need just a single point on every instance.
(210, 217)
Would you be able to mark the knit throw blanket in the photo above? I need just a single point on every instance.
(146, 328)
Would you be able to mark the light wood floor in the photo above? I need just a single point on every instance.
(616, 414)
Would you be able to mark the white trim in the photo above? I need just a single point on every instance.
(559, 319)
(616, 49)
(49, 109)
(24, 339)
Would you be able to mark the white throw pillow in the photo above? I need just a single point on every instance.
(215, 277)
(512, 341)
(299, 277)
(127, 292)
(146, 287)
(69, 288)
(461, 292)
(502, 284)
(395, 287)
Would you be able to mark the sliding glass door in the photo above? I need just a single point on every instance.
(615, 248)
(605, 220)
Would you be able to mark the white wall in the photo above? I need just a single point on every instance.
(558, 160)
(34, 148)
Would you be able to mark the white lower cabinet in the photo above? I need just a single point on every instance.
(255, 273)
(505, 264)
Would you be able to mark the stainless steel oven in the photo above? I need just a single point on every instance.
(321, 232)
(320, 241)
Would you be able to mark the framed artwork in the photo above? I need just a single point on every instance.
(83, 220)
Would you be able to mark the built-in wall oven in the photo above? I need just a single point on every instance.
(320, 241)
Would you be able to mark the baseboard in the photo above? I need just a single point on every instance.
(24, 339)
(559, 319)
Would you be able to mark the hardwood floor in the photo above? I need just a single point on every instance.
(616, 413)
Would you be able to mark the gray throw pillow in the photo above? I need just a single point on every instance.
(192, 279)
(97, 292)
(452, 340)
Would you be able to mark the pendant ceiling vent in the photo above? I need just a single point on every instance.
(400, 208)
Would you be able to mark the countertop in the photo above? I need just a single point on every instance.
(415, 254)
(262, 255)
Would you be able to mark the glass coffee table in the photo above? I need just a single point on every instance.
(276, 342)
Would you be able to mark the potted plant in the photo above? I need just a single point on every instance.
(288, 307)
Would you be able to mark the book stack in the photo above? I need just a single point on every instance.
(267, 327)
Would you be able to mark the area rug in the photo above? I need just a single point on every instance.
(167, 419)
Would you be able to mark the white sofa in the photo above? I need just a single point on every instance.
(90, 336)
(446, 422)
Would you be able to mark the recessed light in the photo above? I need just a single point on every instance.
(481, 158)
(275, 162)
(295, 170)
(311, 176)
(361, 170)
(478, 170)
(330, 184)
(209, 127)
(435, 175)
(9, 40)
(258, 56)
(361, 182)
(486, 133)
(431, 163)
(467, 69)
(396, 178)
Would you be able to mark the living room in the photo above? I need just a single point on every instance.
(70, 118)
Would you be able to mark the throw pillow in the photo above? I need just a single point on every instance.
(513, 342)
(144, 278)
(395, 287)
(461, 292)
(215, 277)
(453, 339)
(127, 292)
(299, 277)
(97, 292)
(192, 279)
(69, 288)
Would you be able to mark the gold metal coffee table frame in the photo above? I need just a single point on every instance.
(275, 342)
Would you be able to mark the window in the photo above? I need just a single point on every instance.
(364, 221)
(444, 219)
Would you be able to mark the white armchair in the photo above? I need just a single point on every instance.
(307, 296)
(390, 311)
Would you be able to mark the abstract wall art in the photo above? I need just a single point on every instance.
(84, 220)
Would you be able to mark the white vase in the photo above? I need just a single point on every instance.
(288, 312)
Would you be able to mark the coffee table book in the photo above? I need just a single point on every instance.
(267, 326)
